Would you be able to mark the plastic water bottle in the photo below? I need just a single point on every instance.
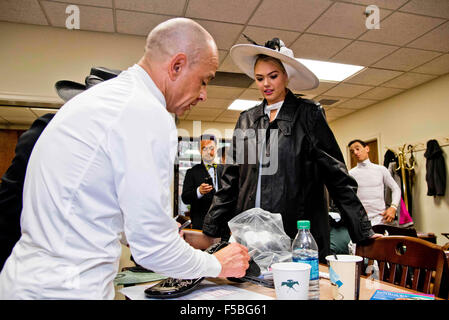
(305, 250)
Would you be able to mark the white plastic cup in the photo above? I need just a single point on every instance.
(344, 274)
(291, 280)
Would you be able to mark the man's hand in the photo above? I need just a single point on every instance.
(389, 214)
(205, 188)
(233, 259)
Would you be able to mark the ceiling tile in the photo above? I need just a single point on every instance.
(226, 120)
(231, 113)
(339, 100)
(231, 79)
(137, 23)
(342, 20)
(224, 34)
(232, 120)
(363, 53)
(322, 88)
(310, 46)
(224, 92)
(387, 4)
(22, 11)
(251, 94)
(409, 80)
(437, 39)
(200, 117)
(372, 76)
(200, 110)
(347, 90)
(438, 66)
(97, 3)
(436, 8)
(401, 28)
(254, 85)
(357, 103)
(214, 103)
(228, 65)
(172, 7)
(91, 18)
(380, 93)
(219, 10)
(261, 35)
(294, 15)
(406, 59)
(222, 55)
(229, 116)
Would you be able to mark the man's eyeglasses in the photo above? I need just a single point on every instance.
(209, 148)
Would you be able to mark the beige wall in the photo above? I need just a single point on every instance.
(417, 115)
(33, 57)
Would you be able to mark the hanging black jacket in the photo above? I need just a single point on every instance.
(435, 169)
(11, 187)
(308, 158)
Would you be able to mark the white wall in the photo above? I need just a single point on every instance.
(417, 115)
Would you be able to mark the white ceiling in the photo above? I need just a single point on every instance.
(410, 48)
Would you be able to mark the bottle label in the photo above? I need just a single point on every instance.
(314, 271)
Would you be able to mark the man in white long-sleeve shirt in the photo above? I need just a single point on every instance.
(372, 179)
(103, 166)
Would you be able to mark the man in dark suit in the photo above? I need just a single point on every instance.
(201, 182)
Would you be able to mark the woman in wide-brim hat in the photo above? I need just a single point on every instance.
(296, 156)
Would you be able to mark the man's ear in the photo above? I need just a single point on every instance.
(367, 148)
(177, 65)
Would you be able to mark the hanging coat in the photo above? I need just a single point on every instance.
(435, 169)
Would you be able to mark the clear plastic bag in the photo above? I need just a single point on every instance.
(262, 232)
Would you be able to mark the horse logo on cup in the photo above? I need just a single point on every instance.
(290, 284)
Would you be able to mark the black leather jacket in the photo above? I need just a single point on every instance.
(308, 158)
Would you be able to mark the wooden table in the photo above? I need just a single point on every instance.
(367, 287)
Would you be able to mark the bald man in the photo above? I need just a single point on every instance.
(104, 167)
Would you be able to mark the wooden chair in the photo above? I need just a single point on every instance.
(398, 255)
(394, 231)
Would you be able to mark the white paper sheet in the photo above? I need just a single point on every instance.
(207, 290)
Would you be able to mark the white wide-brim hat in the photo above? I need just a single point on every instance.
(299, 76)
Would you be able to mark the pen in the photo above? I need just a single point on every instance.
(185, 224)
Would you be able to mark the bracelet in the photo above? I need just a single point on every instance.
(394, 206)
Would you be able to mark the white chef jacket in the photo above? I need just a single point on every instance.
(371, 179)
(102, 166)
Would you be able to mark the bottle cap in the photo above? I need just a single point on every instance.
(303, 224)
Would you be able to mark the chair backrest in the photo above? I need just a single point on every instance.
(406, 261)
(394, 231)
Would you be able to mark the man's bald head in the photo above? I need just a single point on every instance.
(181, 58)
(179, 35)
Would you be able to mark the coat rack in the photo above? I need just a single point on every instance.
(406, 166)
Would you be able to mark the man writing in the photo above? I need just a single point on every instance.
(104, 167)
(201, 182)
(372, 179)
